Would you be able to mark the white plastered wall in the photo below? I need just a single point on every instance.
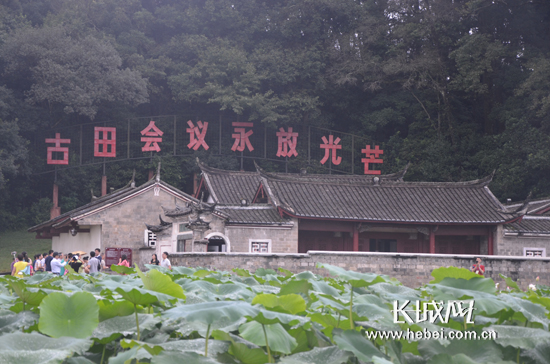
(87, 242)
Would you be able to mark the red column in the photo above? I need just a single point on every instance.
(103, 185)
(432, 241)
(355, 238)
(490, 241)
(55, 210)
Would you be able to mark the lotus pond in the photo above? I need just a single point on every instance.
(200, 316)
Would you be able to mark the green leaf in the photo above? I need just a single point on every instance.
(452, 272)
(458, 288)
(109, 309)
(531, 311)
(15, 322)
(215, 347)
(286, 273)
(177, 357)
(248, 356)
(277, 337)
(540, 354)
(63, 315)
(126, 357)
(28, 297)
(115, 327)
(510, 283)
(137, 296)
(518, 336)
(122, 269)
(35, 348)
(156, 281)
(242, 272)
(291, 303)
(479, 351)
(353, 341)
(151, 349)
(210, 312)
(356, 279)
(267, 317)
(300, 286)
(328, 355)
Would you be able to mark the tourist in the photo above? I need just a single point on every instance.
(43, 262)
(19, 266)
(98, 257)
(38, 267)
(75, 263)
(165, 262)
(85, 265)
(478, 268)
(56, 263)
(155, 260)
(123, 261)
(29, 270)
(93, 263)
(48, 261)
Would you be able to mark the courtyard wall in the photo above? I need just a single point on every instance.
(413, 270)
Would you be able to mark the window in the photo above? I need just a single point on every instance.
(260, 246)
(383, 245)
(534, 252)
(181, 246)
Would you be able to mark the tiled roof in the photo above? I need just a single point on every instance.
(388, 201)
(230, 187)
(530, 224)
(104, 201)
(255, 214)
(533, 207)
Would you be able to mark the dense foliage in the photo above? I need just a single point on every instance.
(201, 316)
(458, 88)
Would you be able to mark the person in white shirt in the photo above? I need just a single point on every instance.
(165, 262)
(93, 263)
(56, 263)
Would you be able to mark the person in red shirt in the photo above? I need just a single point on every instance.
(478, 268)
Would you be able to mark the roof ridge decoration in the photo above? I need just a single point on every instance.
(205, 168)
(522, 210)
(394, 179)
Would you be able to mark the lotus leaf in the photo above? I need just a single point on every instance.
(63, 315)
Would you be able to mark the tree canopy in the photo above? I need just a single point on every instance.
(458, 88)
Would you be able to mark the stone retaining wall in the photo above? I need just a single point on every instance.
(412, 270)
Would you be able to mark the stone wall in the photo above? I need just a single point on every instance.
(123, 224)
(282, 239)
(412, 270)
(509, 244)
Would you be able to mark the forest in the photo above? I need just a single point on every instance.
(458, 88)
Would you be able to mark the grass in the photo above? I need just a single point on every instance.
(20, 241)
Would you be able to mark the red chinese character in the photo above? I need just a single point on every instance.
(372, 157)
(241, 138)
(287, 143)
(194, 131)
(58, 148)
(151, 131)
(104, 141)
(329, 145)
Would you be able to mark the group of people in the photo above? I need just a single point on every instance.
(56, 262)
(165, 262)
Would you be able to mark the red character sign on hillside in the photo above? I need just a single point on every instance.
(152, 138)
(287, 143)
(197, 134)
(58, 148)
(331, 145)
(101, 138)
(372, 157)
(241, 137)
